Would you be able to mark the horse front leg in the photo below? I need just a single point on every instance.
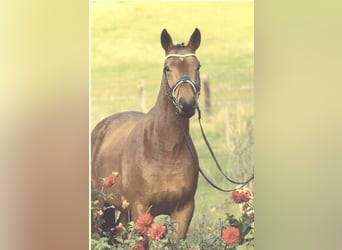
(182, 218)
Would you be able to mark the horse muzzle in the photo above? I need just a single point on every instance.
(185, 108)
(184, 95)
(188, 93)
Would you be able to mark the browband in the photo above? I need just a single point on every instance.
(181, 56)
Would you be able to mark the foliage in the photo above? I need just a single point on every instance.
(159, 230)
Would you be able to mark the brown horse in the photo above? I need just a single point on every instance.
(153, 153)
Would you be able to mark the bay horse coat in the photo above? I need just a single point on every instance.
(153, 153)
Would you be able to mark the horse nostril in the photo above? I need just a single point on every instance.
(183, 104)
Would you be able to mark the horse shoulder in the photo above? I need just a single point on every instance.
(108, 140)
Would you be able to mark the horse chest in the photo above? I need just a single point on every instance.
(170, 189)
(165, 198)
(162, 176)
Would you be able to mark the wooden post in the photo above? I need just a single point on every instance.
(206, 87)
(141, 93)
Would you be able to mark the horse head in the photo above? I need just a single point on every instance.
(181, 73)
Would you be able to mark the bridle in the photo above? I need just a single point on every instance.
(171, 91)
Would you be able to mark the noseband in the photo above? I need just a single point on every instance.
(182, 80)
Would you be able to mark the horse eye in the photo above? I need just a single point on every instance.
(167, 68)
(198, 67)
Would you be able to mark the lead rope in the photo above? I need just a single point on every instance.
(201, 171)
(213, 155)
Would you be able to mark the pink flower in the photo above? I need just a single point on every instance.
(242, 195)
(143, 223)
(231, 235)
(156, 231)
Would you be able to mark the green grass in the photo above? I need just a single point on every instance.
(125, 48)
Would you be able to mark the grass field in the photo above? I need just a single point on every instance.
(125, 49)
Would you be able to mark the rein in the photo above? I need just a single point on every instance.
(187, 139)
(243, 183)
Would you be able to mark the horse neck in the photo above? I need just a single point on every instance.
(168, 128)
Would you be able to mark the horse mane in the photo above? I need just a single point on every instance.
(179, 45)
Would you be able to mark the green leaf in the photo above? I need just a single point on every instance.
(118, 213)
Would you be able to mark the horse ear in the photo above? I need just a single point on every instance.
(195, 40)
(166, 40)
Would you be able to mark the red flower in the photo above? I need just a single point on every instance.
(231, 235)
(156, 231)
(143, 223)
(242, 195)
(110, 179)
